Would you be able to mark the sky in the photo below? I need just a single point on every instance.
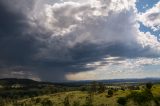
(70, 40)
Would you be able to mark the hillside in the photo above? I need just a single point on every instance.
(26, 92)
(11, 81)
(80, 98)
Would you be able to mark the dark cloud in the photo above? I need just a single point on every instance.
(15, 47)
(27, 47)
(18, 48)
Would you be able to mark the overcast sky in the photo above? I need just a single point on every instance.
(58, 40)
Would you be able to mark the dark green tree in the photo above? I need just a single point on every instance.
(149, 85)
(110, 93)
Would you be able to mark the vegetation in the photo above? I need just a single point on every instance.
(149, 85)
(122, 101)
(91, 94)
(141, 97)
(110, 92)
(66, 101)
(101, 88)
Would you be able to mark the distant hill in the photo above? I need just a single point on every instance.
(27, 82)
(113, 81)
(133, 80)
(10, 81)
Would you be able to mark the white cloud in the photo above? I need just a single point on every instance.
(95, 21)
(127, 68)
(151, 18)
(147, 40)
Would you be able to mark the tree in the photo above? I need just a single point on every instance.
(110, 92)
(94, 86)
(101, 88)
(149, 85)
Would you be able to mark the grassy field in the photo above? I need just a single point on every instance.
(80, 97)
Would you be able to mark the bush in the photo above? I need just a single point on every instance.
(89, 100)
(83, 88)
(141, 97)
(149, 85)
(66, 101)
(110, 92)
(47, 103)
(122, 101)
(38, 100)
(157, 100)
(76, 103)
(2, 103)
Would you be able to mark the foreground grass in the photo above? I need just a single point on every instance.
(99, 99)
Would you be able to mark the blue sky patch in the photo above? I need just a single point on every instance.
(144, 28)
(143, 5)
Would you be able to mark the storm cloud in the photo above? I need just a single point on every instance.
(46, 40)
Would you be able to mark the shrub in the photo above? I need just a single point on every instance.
(157, 100)
(38, 100)
(47, 103)
(66, 101)
(149, 85)
(122, 101)
(89, 100)
(76, 103)
(83, 88)
(2, 103)
(110, 92)
(141, 97)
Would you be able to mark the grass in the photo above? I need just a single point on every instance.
(79, 96)
(101, 99)
(156, 90)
